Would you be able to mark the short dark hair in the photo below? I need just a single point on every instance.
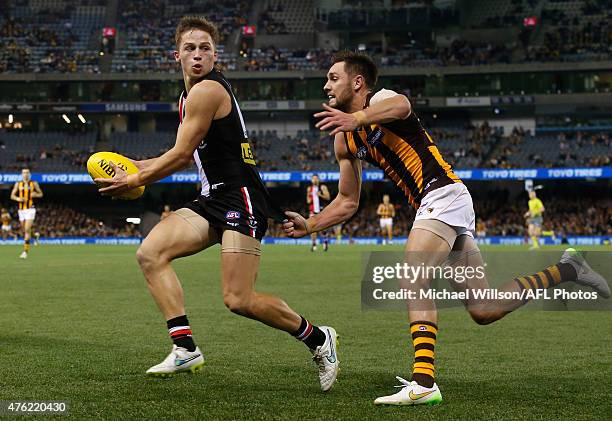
(358, 64)
(196, 22)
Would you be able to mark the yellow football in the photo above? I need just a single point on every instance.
(98, 166)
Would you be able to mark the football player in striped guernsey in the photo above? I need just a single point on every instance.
(381, 128)
(232, 209)
(386, 213)
(317, 195)
(24, 192)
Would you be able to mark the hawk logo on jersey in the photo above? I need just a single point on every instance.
(362, 152)
(247, 154)
(232, 215)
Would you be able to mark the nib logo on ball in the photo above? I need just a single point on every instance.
(98, 166)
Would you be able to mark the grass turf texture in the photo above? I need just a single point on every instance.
(78, 324)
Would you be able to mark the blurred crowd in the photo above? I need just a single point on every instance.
(147, 29)
(54, 47)
(574, 40)
(470, 146)
(304, 151)
(467, 146)
(267, 22)
(571, 149)
(563, 217)
(46, 158)
(56, 221)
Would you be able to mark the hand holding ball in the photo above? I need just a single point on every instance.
(106, 166)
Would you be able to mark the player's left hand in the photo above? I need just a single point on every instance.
(113, 186)
(336, 120)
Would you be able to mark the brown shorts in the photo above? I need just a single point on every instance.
(231, 241)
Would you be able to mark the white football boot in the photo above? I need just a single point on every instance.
(180, 360)
(23, 255)
(326, 358)
(586, 275)
(412, 393)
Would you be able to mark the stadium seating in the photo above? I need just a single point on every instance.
(463, 146)
(149, 32)
(49, 37)
(552, 150)
(46, 151)
(64, 37)
(142, 145)
(287, 17)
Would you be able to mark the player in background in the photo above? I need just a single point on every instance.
(481, 230)
(6, 218)
(24, 192)
(386, 213)
(166, 213)
(232, 209)
(381, 128)
(534, 219)
(316, 194)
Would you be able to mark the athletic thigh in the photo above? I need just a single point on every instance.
(183, 233)
(465, 254)
(27, 224)
(425, 247)
(240, 256)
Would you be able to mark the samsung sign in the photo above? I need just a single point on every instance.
(468, 101)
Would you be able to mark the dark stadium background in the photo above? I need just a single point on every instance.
(505, 87)
(499, 85)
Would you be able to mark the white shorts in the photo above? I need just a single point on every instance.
(386, 222)
(451, 204)
(6, 228)
(27, 214)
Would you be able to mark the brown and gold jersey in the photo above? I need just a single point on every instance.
(406, 153)
(6, 218)
(386, 211)
(24, 191)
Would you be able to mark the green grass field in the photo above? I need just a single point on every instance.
(78, 324)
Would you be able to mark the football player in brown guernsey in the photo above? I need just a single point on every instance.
(381, 127)
(232, 209)
(24, 192)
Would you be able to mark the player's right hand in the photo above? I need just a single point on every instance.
(294, 225)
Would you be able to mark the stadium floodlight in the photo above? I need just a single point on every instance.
(10, 118)
(66, 119)
(80, 116)
(135, 221)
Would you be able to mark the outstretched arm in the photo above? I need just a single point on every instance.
(343, 206)
(384, 107)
